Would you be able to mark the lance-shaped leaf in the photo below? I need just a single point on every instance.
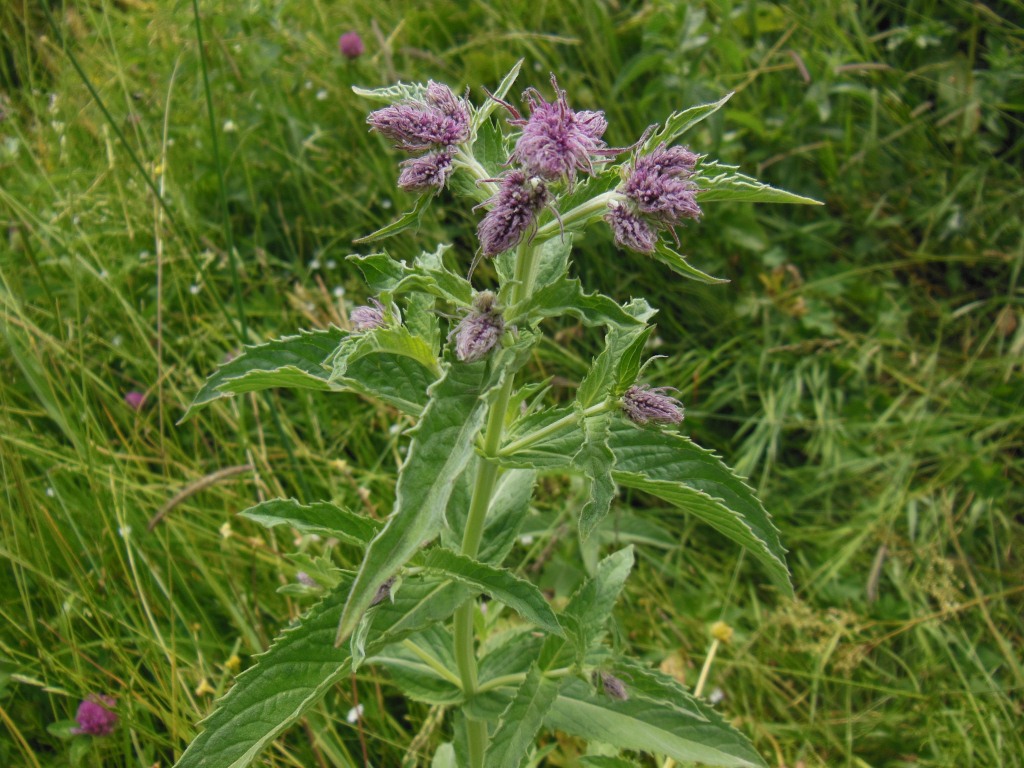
(390, 94)
(729, 184)
(428, 274)
(679, 123)
(678, 264)
(320, 517)
(566, 296)
(297, 670)
(292, 361)
(615, 369)
(512, 739)
(402, 223)
(588, 609)
(648, 725)
(421, 666)
(440, 450)
(595, 460)
(672, 468)
(504, 586)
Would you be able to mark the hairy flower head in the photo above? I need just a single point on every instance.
(440, 119)
(514, 211)
(557, 141)
(428, 172)
(367, 318)
(480, 330)
(659, 184)
(351, 45)
(643, 404)
(630, 229)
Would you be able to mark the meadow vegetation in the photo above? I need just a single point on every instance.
(862, 367)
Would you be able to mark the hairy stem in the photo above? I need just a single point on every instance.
(544, 432)
(483, 490)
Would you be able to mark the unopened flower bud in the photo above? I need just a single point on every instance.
(643, 404)
(383, 592)
(480, 330)
(612, 686)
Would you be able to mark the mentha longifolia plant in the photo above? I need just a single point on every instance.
(450, 358)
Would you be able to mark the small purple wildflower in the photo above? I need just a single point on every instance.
(613, 686)
(643, 404)
(305, 579)
(440, 120)
(556, 141)
(383, 592)
(428, 172)
(95, 717)
(514, 211)
(367, 318)
(631, 231)
(135, 400)
(351, 45)
(480, 330)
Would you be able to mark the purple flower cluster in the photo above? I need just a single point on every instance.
(659, 195)
(514, 209)
(643, 404)
(557, 141)
(436, 124)
(351, 45)
(480, 330)
(94, 716)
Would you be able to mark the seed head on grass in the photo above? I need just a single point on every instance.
(643, 404)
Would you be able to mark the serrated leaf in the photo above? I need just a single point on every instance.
(483, 112)
(440, 450)
(621, 356)
(590, 606)
(297, 670)
(504, 586)
(511, 741)
(673, 468)
(402, 223)
(678, 264)
(428, 274)
(320, 517)
(735, 186)
(390, 94)
(292, 361)
(551, 452)
(566, 296)
(650, 726)
(595, 460)
(679, 123)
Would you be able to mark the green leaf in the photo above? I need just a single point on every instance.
(679, 123)
(731, 185)
(389, 95)
(444, 757)
(566, 296)
(647, 725)
(678, 264)
(300, 667)
(511, 741)
(421, 666)
(390, 364)
(292, 361)
(482, 113)
(402, 223)
(428, 274)
(604, 761)
(595, 460)
(590, 606)
(672, 468)
(320, 517)
(616, 367)
(551, 452)
(502, 585)
(509, 506)
(440, 450)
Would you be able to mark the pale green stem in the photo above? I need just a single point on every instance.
(431, 662)
(535, 437)
(464, 159)
(483, 489)
(570, 217)
(516, 679)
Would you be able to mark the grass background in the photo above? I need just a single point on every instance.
(863, 367)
